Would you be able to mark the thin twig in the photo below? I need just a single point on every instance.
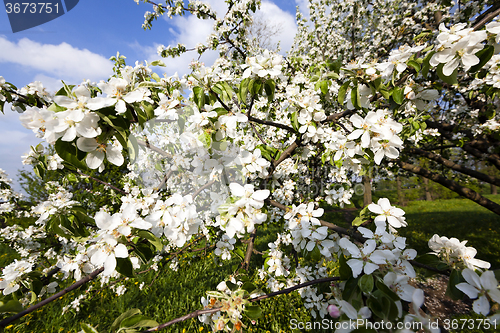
(153, 148)
(259, 298)
(207, 185)
(74, 286)
(103, 182)
(271, 123)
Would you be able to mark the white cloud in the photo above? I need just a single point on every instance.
(303, 7)
(50, 83)
(16, 141)
(63, 61)
(189, 30)
(285, 21)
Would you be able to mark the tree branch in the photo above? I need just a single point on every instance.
(336, 116)
(248, 254)
(331, 226)
(454, 166)
(74, 286)
(452, 185)
(103, 182)
(487, 16)
(259, 298)
(153, 148)
(271, 123)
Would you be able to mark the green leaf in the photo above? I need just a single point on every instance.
(71, 178)
(452, 79)
(253, 311)
(415, 65)
(144, 251)
(342, 92)
(220, 90)
(206, 139)
(355, 98)
(228, 89)
(119, 124)
(239, 252)
(333, 75)
(155, 241)
(335, 65)
(484, 56)
(39, 170)
(270, 88)
(267, 152)
(366, 283)
(248, 286)
(56, 108)
(156, 77)
(351, 289)
(157, 63)
(377, 83)
(415, 125)
(231, 286)
(138, 321)
(295, 121)
(423, 34)
(87, 328)
(149, 108)
(199, 97)
(124, 267)
(125, 315)
(452, 291)
(384, 91)
(375, 304)
(387, 291)
(345, 269)
(323, 85)
(398, 95)
(315, 254)
(69, 153)
(426, 65)
(243, 90)
(255, 87)
(11, 306)
(357, 221)
(133, 148)
(383, 306)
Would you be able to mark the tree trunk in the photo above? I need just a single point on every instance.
(367, 196)
(401, 195)
(493, 189)
(428, 196)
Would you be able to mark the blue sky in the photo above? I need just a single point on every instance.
(78, 44)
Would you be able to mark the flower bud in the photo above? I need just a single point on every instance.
(334, 311)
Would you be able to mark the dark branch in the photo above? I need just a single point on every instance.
(452, 185)
(454, 166)
(74, 286)
(271, 123)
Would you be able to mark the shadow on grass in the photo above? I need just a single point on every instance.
(479, 228)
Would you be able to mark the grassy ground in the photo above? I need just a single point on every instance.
(176, 293)
(460, 218)
(173, 294)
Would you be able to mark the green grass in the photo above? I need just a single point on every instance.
(460, 218)
(174, 294)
